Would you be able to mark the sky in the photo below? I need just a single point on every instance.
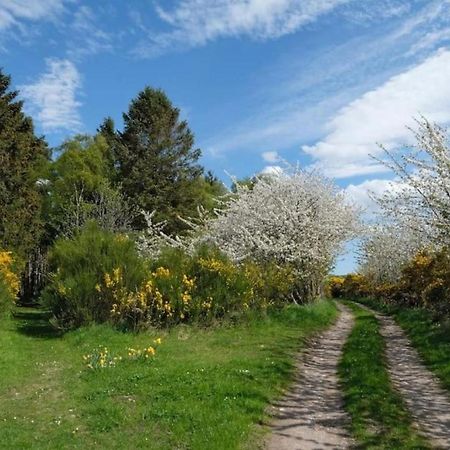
(320, 83)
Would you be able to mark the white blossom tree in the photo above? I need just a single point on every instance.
(298, 218)
(416, 211)
(422, 199)
(385, 250)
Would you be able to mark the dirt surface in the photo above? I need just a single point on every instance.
(428, 403)
(311, 415)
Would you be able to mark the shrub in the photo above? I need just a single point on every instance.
(334, 287)
(79, 266)
(201, 288)
(9, 282)
(97, 276)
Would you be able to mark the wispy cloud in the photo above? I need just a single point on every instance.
(381, 115)
(298, 98)
(15, 12)
(52, 99)
(87, 37)
(195, 22)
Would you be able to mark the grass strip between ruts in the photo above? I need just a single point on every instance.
(429, 334)
(379, 418)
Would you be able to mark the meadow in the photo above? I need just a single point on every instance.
(203, 388)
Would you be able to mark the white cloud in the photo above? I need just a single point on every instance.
(272, 170)
(52, 99)
(381, 115)
(270, 157)
(196, 22)
(362, 194)
(13, 12)
(294, 101)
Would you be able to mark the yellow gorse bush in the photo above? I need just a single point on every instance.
(6, 273)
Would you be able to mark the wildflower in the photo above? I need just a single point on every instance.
(158, 341)
(98, 288)
(117, 274)
(186, 297)
(161, 272)
(108, 281)
(188, 282)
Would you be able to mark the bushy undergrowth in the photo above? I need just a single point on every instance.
(98, 276)
(79, 265)
(424, 283)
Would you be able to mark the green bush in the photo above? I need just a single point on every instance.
(78, 267)
(97, 276)
(202, 287)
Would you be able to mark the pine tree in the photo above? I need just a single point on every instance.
(156, 161)
(23, 160)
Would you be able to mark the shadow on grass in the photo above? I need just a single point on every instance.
(35, 322)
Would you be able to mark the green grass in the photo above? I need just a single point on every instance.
(430, 336)
(379, 417)
(206, 388)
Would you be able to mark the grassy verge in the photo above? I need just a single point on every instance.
(379, 417)
(204, 388)
(430, 336)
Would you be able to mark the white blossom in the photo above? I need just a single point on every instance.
(298, 218)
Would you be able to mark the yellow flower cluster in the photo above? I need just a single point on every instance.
(144, 353)
(215, 265)
(101, 358)
(161, 272)
(9, 277)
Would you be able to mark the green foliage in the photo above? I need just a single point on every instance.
(6, 299)
(379, 416)
(156, 162)
(81, 188)
(79, 265)
(23, 160)
(97, 276)
(205, 388)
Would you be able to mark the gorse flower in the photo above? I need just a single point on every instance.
(6, 273)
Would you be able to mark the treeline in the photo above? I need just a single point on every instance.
(405, 257)
(109, 178)
(125, 226)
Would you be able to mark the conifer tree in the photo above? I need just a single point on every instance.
(23, 161)
(156, 162)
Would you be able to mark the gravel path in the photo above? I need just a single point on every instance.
(311, 415)
(428, 403)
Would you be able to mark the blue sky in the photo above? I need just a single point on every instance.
(319, 82)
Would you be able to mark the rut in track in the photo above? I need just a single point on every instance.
(428, 403)
(311, 415)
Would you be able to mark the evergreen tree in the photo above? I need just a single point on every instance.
(23, 161)
(156, 161)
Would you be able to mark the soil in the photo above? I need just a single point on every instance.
(311, 415)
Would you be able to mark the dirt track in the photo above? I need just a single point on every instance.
(311, 414)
